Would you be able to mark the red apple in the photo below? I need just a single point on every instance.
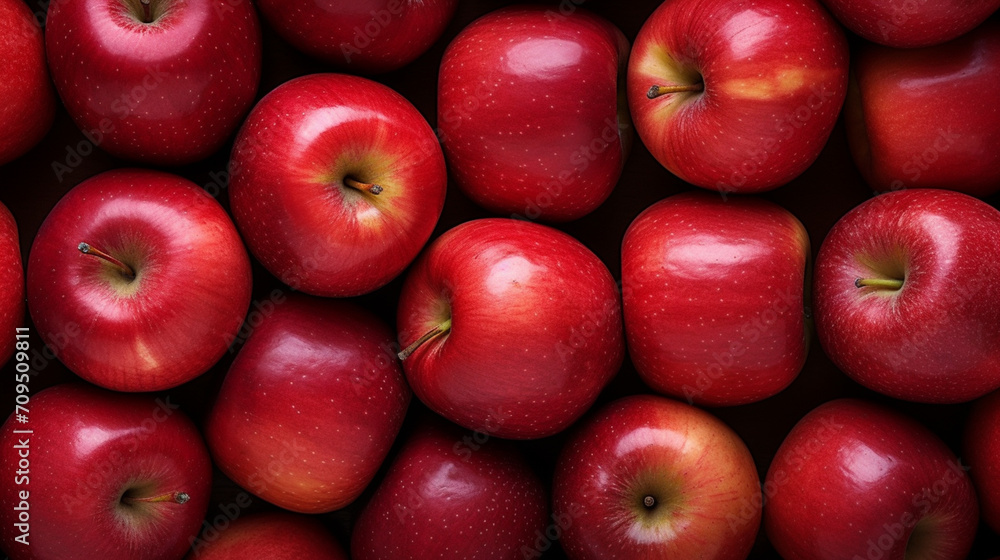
(96, 475)
(446, 496)
(138, 280)
(714, 297)
(161, 81)
(737, 96)
(911, 23)
(310, 406)
(367, 36)
(12, 280)
(29, 104)
(907, 295)
(982, 449)
(927, 117)
(532, 111)
(509, 327)
(271, 536)
(650, 477)
(856, 480)
(337, 183)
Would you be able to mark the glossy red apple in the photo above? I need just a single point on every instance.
(310, 406)
(982, 450)
(532, 111)
(909, 23)
(163, 81)
(96, 475)
(509, 327)
(337, 183)
(138, 280)
(907, 295)
(446, 496)
(927, 117)
(856, 480)
(650, 477)
(272, 535)
(737, 96)
(366, 36)
(12, 282)
(714, 297)
(29, 103)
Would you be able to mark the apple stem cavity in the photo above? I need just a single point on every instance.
(440, 329)
(175, 497)
(649, 502)
(362, 186)
(88, 249)
(147, 13)
(657, 91)
(881, 283)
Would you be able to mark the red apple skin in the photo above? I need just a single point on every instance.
(272, 535)
(982, 449)
(698, 470)
(187, 302)
(12, 280)
(29, 103)
(536, 328)
(774, 74)
(935, 339)
(907, 24)
(927, 117)
(171, 92)
(89, 447)
(444, 498)
(310, 406)
(714, 297)
(532, 111)
(854, 479)
(361, 36)
(288, 194)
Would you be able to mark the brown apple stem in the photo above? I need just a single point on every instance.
(657, 91)
(887, 283)
(649, 502)
(440, 329)
(175, 497)
(147, 13)
(361, 186)
(88, 249)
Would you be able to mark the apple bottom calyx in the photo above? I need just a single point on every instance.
(436, 331)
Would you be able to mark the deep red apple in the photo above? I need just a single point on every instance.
(927, 117)
(138, 280)
(982, 449)
(29, 104)
(737, 96)
(650, 477)
(160, 81)
(446, 496)
(509, 327)
(532, 111)
(337, 183)
(856, 480)
(714, 297)
(96, 475)
(271, 536)
(12, 282)
(367, 36)
(907, 295)
(310, 406)
(911, 23)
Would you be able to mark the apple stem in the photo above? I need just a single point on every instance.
(88, 249)
(358, 185)
(440, 329)
(176, 497)
(649, 502)
(888, 283)
(147, 14)
(657, 91)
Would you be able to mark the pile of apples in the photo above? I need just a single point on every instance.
(399, 279)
